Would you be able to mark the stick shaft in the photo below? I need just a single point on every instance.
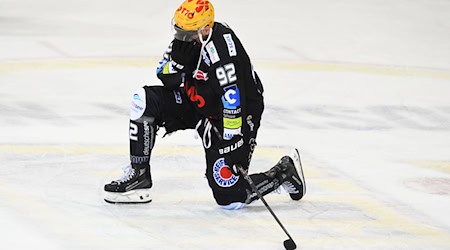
(255, 189)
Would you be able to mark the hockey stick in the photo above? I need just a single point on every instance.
(289, 244)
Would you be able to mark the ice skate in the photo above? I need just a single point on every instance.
(133, 187)
(289, 173)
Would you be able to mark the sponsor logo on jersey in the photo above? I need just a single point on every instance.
(177, 95)
(231, 148)
(232, 123)
(165, 67)
(206, 58)
(250, 122)
(223, 175)
(191, 92)
(230, 44)
(212, 52)
(252, 143)
(231, 113)
(228, 134)
(161, 65)
(231, 99)
(200, 75)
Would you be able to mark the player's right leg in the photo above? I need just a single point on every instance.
(152, 107)
(134, 186)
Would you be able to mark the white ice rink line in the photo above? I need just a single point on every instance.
(337, 212)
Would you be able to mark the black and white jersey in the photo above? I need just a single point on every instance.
(225, 87)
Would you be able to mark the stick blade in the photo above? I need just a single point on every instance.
(289, 244)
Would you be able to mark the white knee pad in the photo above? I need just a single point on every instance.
(138, 104)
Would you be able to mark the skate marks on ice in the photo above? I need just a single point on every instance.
(431, 185)
(60, 202)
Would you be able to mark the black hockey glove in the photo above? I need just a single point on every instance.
(185, 55)
(171, 81)
(236, 152)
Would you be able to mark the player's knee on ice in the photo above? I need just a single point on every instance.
(233, 206)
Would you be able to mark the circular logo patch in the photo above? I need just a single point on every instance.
(223, 175)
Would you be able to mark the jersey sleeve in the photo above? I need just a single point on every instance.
(170, 77)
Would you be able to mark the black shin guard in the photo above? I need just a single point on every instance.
(265, 184)
(142, 139)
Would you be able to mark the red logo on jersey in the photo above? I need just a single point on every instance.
(193, 96)
(200, 75)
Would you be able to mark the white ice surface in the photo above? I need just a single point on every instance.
(361, 87)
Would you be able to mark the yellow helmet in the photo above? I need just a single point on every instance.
(194, 15)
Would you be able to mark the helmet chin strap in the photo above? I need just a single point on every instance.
(204, 42)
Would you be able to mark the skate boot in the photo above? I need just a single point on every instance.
(132, 187)
(289, 173)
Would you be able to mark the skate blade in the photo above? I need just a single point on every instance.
(130, 197)
(298, 166)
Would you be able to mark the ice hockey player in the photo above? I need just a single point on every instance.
(209, 85)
